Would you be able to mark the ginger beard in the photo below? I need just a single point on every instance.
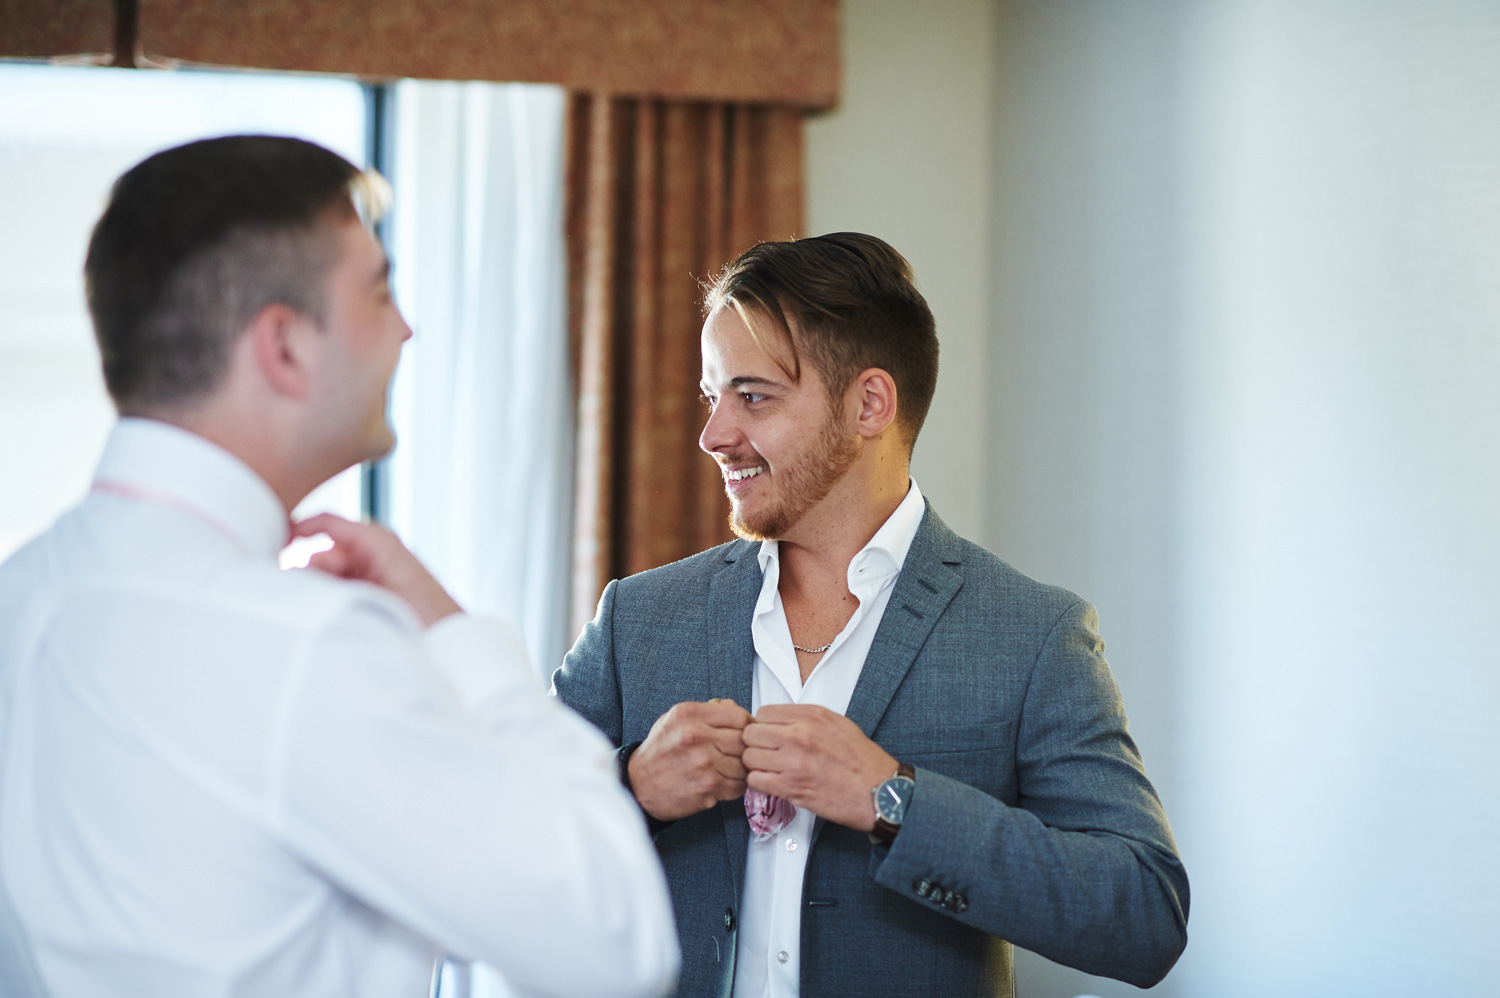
(793, 486)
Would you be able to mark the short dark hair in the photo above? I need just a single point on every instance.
(854, 304)
(197, 240)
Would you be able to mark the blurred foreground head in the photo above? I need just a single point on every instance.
(195, 242)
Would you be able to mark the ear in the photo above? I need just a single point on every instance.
(875, 391)
(282, 340)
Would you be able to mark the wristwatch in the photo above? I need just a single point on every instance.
(892, 798)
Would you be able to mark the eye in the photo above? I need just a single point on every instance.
(752, 397)
(707, 399)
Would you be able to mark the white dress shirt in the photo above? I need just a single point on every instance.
(768, 953)
(219, 778)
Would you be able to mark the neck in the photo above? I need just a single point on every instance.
(255, 441)
(821, 545)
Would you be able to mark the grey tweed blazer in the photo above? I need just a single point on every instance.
(1032, 823)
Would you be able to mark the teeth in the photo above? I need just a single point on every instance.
(744, 473)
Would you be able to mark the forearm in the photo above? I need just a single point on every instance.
(502, 834)
(1100, 901)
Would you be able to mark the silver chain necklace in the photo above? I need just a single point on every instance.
(813, 651)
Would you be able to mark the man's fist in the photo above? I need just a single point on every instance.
(691, 759)
(818, 760)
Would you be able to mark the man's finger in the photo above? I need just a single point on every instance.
(331, 562)
(323, 523)
(761, 761)
(724, 714)
(729, 741)
(765, 735)
(730, 768)
(788, 713)
(766, 782)
(731, 790)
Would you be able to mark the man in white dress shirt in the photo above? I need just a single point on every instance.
(218, 778)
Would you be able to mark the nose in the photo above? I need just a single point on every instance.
(720, 431)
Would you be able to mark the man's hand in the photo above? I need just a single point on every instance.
(691, 760)
(818, 760)
(371, 553)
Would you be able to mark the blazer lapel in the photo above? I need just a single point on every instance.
(923, 591)
(732, 595)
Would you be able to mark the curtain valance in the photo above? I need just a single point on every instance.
(756, 51)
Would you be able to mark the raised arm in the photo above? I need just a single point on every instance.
(426, 772)
(502, 836)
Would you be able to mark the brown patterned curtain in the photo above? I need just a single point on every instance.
(661, 195)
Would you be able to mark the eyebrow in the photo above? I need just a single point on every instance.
(742, 382)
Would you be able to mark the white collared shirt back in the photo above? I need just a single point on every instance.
(218, 778)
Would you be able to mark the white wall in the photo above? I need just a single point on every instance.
(1341, 575)
(1084, 355)
(912, 155)
(1228, 371)
(1246, 336)
(906, 157)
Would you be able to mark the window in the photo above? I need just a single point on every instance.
(479, 485)
(65, 135)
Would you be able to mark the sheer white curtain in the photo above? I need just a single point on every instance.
(479, 482)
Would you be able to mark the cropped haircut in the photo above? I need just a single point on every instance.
(194, 243)
(850, 302)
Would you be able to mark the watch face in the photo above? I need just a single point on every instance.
(892, 798)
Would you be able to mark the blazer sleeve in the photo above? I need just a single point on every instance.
(588, 680)
(1083, 869)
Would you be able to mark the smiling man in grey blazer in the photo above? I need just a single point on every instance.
(873, 755)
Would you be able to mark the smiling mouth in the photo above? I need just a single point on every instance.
(737, 479)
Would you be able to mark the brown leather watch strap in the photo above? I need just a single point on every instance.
(884, 833)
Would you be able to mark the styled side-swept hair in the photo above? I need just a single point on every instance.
(849, 302)
(197, 240)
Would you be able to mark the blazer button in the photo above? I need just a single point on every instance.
(729, 919)
(921, 886)
(960, 903)
(947, 901)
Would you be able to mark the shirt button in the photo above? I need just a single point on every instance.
(729, 919)
(783, 956)
(791, 845)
